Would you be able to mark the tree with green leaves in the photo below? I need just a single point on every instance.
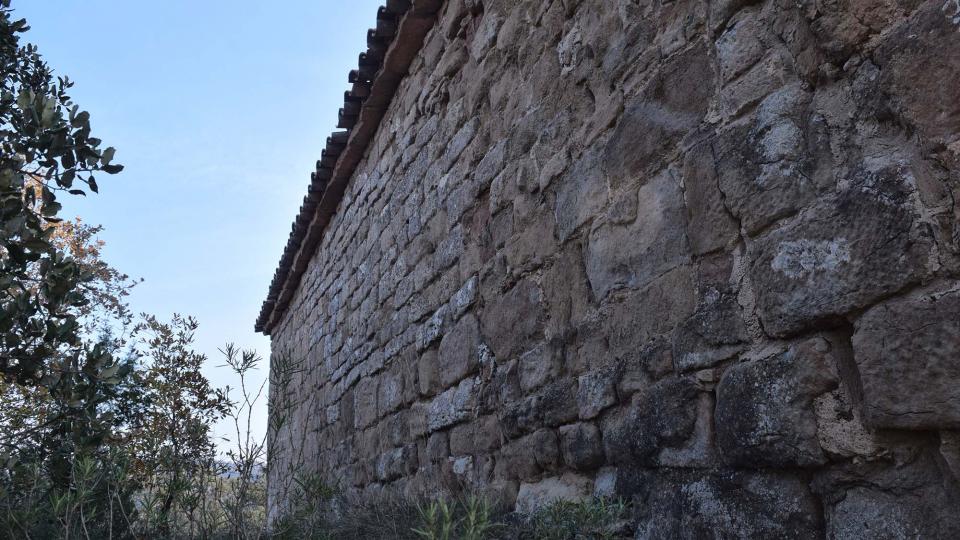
(169, 434)
(59, 385)
(46, 149)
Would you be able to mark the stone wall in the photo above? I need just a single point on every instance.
(704, 255)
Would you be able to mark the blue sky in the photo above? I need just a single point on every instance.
(218, 110)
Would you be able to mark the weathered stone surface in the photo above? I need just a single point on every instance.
(710, 225)
(580, 446)
(538, 367)
(657, 240)
(582, 195)
(910, 500)
(841, 255)
(428, 378)
(907, 352)
(397, 463)
(765, 412)
(652, 311)
(726, 505)
(527, 457)
(914, 58)
(950, 450)
(568, 487)
(453, 406)
(553, 405)
(596, 391)
(458, 354)
(716, 332)
(673, 103)
(515, 320)
(701, 257)
(662, 416)
(477, 437)
(768, 169)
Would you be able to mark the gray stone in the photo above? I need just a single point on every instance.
(453, 406)
(428, 378)
(457, 356)
(674, 102)
(910, 500)
(842, 255)
(465, 298)
(397, 463)
(568, 487)
(512, 321)
(771, 73)
(581, 194)
(438, 447)
(580, 446)
(767, 169)
(596, 391)
(698, 505)
(740, 46)
(539, 366)
(710, 225)
(554, 405)
(664, 415)
(477, 437)
(365, 403)
(765, 414)
(635, 254)
(527, 457)
(650, 312)
(715, 333)
(907, 352)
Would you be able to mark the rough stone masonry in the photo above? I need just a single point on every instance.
(702, 255)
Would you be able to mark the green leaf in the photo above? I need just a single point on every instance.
(81, 120)
(66, 179)
(107, 156)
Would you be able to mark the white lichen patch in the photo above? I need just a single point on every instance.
(799, 259)
(951, 8)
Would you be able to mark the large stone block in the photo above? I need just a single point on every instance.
(699, 505)
(907, 352)
(457, 356)
(365, 402)
(568, 487)
(841, 255)
(633, 255)
(453, 406)
(913, 499)
(596, 391)
(580, 446)
(553, 405)
(581, 195)
(525, 458)
(674, 102)
(539, 366)
(915, 60)
(765, 414)
(512, 321)
(768, 168)
(662, 416)
(710, 224)
(650, 312)
(716, 332)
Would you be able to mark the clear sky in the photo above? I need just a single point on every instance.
(218, 110)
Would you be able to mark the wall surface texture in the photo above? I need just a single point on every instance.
(704, 255)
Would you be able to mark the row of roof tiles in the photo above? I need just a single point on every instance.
(401, 26)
